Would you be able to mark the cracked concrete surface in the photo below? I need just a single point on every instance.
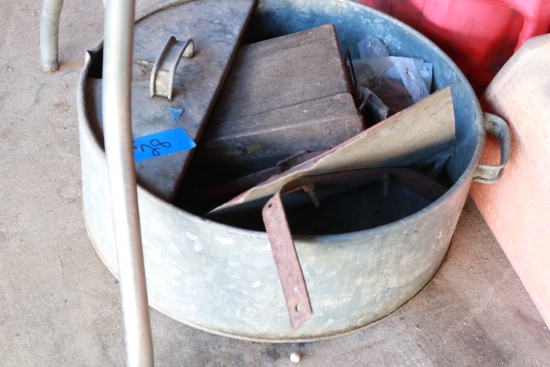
(59, 306)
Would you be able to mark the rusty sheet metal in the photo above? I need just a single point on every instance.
(412, 136)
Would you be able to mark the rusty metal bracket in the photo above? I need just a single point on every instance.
(162, 75)
(287, 262)
(280, 237)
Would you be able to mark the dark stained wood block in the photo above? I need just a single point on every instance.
(283, 96)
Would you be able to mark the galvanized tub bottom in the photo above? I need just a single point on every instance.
(223, 279)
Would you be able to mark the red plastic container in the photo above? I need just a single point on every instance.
(517, 208)
(479, 35)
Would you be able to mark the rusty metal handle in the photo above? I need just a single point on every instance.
(496, 126)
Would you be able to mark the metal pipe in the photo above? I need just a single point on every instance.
(117, 66)
(49, 33)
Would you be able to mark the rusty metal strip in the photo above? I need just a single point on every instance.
(280, 237)
(287, 262)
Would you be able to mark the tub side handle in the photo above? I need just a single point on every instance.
(496, 126)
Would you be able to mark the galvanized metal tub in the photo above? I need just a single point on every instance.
(223, 279)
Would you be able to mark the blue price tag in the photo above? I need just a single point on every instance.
(162, 143)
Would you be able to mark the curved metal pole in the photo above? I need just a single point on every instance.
(117, 67)
(49, 33)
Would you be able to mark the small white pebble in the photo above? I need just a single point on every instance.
(295, 357)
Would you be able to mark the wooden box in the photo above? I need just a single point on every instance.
(282, 97)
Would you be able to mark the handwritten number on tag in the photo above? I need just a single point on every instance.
(155, 145)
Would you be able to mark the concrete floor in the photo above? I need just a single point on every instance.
(59, 306)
